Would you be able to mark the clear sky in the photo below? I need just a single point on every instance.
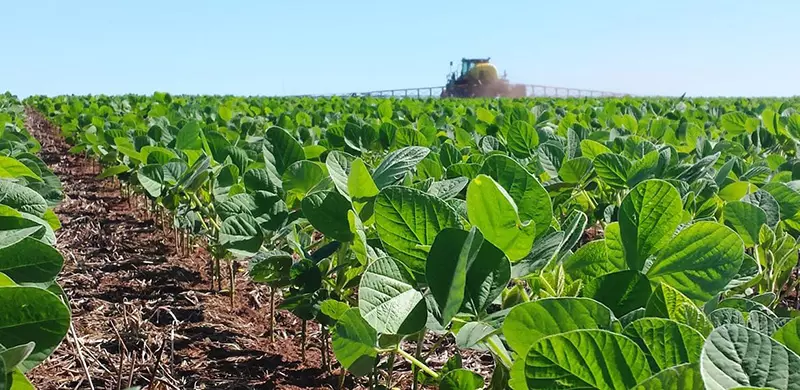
(644, 47)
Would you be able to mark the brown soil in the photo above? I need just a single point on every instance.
(144, 315)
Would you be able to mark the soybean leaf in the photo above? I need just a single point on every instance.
(648, 216)
(622, 291)
(681, 377)
(397, 164)
(492, 210)
(735, 356)
(700, 261)
(30, 261)
(746, 219)
(241, 235)
(612, 169)
(446, 269)
(667, 302)
(354, 343)
(327, 212)
(789, 335)
(284, 150)
(388, 300)
(461, 379)
(408, 221)
(559, 361)
(667, 343)
(527, 323)
(533, 202)
(34, 315)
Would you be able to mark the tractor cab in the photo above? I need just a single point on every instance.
(467, 64)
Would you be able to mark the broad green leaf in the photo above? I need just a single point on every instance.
(522, 139)
(614, 246)
(487, 276)
(396, 164)
(590, 261)
(746, 219)
(762, 322)
(408, 221)
(22, 198)
(789, 335)
(560, 361)
(339, 165)
(271, 267)
(12, 168)
(666, 342)
(113, 171)
(461, 379)
(767, 203)
(592, 149)
(532, 201)
(700, 261)
(189, 137)
(726, 315)
(735, 356)
(527, 323)
(787, 198)
(643, 168)
(327, 212)
(734, 123)
(622, 291)
(736, 190)
(467, 170)
(667, 302)
(446, 269)
(681, 377)
(472, 333)
(492, 210)
(13, 229)
(648, 216)
(575, 170)
(241, 235)
(20, 382)
(284, 149)
(612, 169)
(30, 261)
(388, 300)
(544, 250)
(302, 177)
(448, 188)
(550, 155)
(362, 189)
(15, 355)
(354, 343)
(31, 314)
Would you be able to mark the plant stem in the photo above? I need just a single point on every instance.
(418, 355)
(326, 362)
(390, 370)
(272, 314)
(233, 279)
(417, 363)
(303, 341)
(341, 378)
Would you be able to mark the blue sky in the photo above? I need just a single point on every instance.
(711, 47)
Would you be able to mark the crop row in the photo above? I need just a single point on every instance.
(592, 243)
(34, 317)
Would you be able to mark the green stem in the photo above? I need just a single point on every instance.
(417, 363)
(417, 354)
(390, 370)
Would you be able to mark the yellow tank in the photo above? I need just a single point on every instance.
(484, 72)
